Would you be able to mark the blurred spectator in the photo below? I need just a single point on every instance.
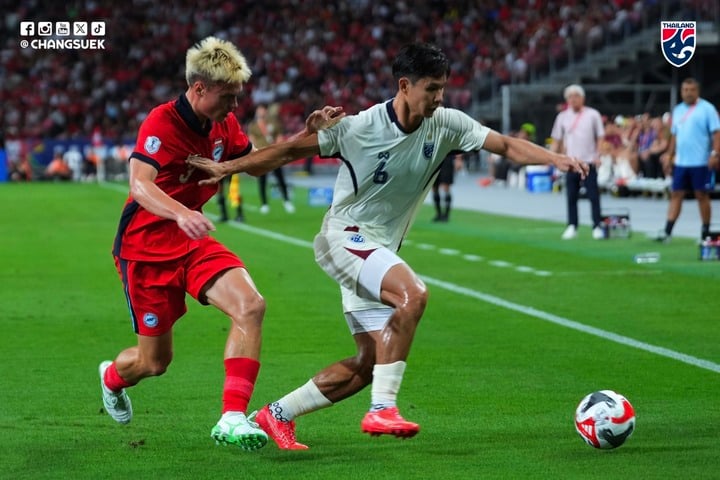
(651, 145)
(625, 153)
(606, 165)
(264, 131)
(58, 169)
(74, 160)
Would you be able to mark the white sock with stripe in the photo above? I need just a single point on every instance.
(300, 401)
(386, 384)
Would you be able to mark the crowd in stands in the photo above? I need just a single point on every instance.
(631, 155)
(303, 53)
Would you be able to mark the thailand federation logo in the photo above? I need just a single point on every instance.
(677, 42)
(428, 146)
(428, 149)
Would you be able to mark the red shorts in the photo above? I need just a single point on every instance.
(155, 291)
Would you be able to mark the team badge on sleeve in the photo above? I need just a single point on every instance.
(152, 145)
(217, 150)
(677, 41)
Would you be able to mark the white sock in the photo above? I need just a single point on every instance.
(305, 399)
(386, 384)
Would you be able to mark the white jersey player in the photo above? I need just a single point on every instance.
(387, 174)
(391, 154)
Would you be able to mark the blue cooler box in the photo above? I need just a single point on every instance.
(320, 197)
(538, 178)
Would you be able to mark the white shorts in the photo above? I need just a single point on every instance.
(364, 321)
(358, 264)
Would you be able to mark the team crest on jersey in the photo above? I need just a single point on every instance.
(218, 150)
(428, 146)
(356, 238)
(150, 320)
(428, 149)
(152, 145)
(677, 42)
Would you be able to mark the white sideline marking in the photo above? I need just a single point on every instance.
(564, 322)
(497, 301)
(500, 263)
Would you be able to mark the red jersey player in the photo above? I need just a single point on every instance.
(162, 249)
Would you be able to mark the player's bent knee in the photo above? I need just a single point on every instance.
(250, 310)
(415, 300)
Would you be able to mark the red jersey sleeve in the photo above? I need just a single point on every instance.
(239, 143)
(155, 138)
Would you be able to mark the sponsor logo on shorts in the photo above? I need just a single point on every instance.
(356, 238)
(152, 145)
(150, 320)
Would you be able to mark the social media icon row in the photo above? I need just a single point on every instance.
(62, 29)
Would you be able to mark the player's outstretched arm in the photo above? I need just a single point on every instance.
(527, 153)
(259, 162)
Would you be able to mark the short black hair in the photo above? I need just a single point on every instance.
(418, 60)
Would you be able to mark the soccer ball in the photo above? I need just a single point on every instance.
(605, 419)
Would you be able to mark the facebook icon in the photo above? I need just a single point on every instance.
(27, 29)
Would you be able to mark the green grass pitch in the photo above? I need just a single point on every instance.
(519, 327)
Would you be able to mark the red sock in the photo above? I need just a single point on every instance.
(113, 380)
(240, 376)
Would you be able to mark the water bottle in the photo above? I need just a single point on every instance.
(647, 257)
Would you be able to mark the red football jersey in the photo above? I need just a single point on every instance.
(168, 135)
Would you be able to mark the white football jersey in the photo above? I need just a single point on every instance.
(387, 172)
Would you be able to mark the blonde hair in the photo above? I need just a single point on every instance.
(215, 61)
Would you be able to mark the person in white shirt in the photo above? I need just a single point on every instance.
(391, 153)
(74, 159)
(577, 131)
